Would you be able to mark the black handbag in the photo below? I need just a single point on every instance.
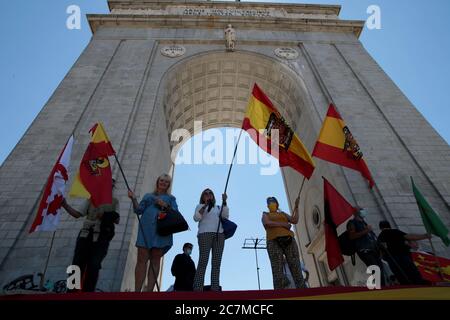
(169, 222)
(284, 241)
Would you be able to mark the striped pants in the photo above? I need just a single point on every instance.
(276, 261)
(206, 242)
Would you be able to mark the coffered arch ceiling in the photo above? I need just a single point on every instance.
(215, 88)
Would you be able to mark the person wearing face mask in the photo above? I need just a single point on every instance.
(281, 242)
(94, 238)
(183, 269)
(365, 241)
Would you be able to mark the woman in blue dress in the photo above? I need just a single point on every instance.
(151, 246)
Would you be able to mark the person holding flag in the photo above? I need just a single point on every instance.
(281, 242)
(365, 241)
(269, 129)
(210, 240)
(396, 252)
(337, 210)
(94, 182)
(94, 238)
(152, 246)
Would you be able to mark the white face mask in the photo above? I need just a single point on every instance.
(363, 213)
(188, 251)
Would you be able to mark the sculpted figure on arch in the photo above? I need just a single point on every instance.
(230, 38)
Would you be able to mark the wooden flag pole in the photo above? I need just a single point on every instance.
(301, 187)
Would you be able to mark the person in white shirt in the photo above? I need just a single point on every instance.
(210, 238)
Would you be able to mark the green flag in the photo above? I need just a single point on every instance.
(431, 219)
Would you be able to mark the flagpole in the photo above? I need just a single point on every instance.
(232, 161)
(41, 284)
(140, 225)
(298, 197)
(438, 264)
(228, 179)
(301, 187)
(121, 171)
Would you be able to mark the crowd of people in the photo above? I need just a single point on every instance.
(390, 250)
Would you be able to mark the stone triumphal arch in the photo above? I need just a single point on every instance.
(154, 66)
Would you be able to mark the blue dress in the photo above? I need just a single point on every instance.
(148, 237)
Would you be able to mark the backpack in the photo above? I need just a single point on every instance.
(107, 225)
(348, 246)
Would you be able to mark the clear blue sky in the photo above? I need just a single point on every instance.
(413, 47)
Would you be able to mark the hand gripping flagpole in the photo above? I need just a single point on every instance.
(140, 226)
(295, 208)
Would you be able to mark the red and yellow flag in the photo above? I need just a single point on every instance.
(336, 144)
(261, 119)
(94, 178)
(432, 268)
(336, 210)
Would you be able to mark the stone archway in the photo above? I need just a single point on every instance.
(122, 79)
(214, 87)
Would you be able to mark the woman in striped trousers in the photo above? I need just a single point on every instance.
(209, 240)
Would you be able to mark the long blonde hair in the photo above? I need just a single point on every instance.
(165, 175)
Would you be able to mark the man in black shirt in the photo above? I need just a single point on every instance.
(397, 253)
(365, 241)
(183, 269)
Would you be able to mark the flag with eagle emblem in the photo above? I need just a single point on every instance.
(94, 178)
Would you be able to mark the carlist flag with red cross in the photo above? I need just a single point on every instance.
(49, 211)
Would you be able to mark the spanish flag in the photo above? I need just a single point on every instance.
(336, 144)
(260, 121)
(94, 178)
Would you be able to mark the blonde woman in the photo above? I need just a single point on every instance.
(151, 246)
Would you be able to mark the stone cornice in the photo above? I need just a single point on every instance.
(267, 23)
(162, 4)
